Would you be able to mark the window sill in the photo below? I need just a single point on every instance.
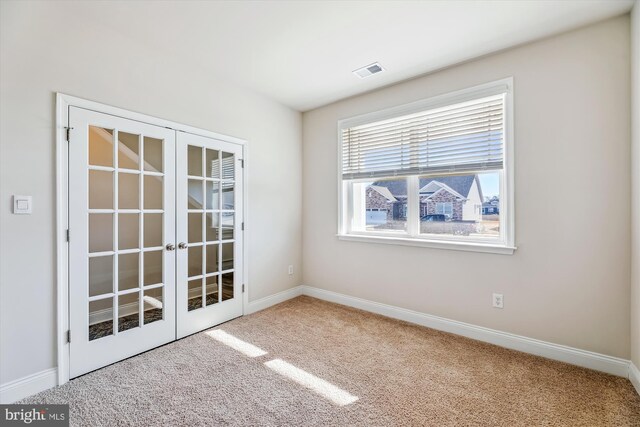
(448, 245)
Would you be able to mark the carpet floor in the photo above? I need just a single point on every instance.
(309, 362)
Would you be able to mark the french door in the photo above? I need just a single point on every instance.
(143, 271)
(208, 229)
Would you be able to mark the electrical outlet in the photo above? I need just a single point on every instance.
(498, 300)
(291, 270)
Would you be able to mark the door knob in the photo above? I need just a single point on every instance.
(170, 247)
(182, 245)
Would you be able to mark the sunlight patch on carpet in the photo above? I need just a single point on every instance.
(243, 347)
(318, 385)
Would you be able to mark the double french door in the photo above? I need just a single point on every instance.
(155, 244)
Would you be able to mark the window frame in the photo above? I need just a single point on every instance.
(412, 237)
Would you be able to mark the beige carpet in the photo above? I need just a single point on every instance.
(349, 368)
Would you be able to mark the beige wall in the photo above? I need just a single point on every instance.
(635, 211)
(568, 282)
(58, 46)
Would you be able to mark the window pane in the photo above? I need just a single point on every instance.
(153, 192)
(460, 205)
(194, 158)
(213, 195)
(194, 299)
(213, 224)
(128, 150)
(152, 230)
(152, 267)
(100, 190)
(194, 261)
(153, 305)
(228, 166)
(100, 232)
(194, 228)
(228, 201)
(227, 286)
(128, 311)
(227, 256)
(211, 283)
(152, 154)
(212, 258)
(128, 268)
(128, 191)
(227, 225)
(100, 146)
(212, 164)
(194, 196)
(128, 231)
(380, 206)
(100, 318)
(100, 275)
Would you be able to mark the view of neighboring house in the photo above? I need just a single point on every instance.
(450, 198)
(491, 206)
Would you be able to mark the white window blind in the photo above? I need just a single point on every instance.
(467, 136)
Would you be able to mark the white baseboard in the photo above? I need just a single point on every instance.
(26, 386)
(274, 299)
(35, 383)
(634, 376)
(574, 356)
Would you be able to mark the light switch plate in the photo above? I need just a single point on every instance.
(498, 301)
(22, 205)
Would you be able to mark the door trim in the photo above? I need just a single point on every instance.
(63, 102)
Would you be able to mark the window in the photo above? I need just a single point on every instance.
(432, 173)
(444, 208)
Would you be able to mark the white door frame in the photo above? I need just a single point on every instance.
(63, 102)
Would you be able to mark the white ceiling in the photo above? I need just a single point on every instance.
(302, 53)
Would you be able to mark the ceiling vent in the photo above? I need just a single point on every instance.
(368, 70)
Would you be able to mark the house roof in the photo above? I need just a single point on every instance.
(435, 187)
(460, 184)
(384, 191)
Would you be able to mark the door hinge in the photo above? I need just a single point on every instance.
(68, 234)
(243, 288)
(242, 163)
(68, 133)
(69, 336)
(242, 226)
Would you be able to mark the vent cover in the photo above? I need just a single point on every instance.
(368, 70)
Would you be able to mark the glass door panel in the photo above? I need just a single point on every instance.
(207, 186)
(121, 214)
(153, 304)
(153, 154)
